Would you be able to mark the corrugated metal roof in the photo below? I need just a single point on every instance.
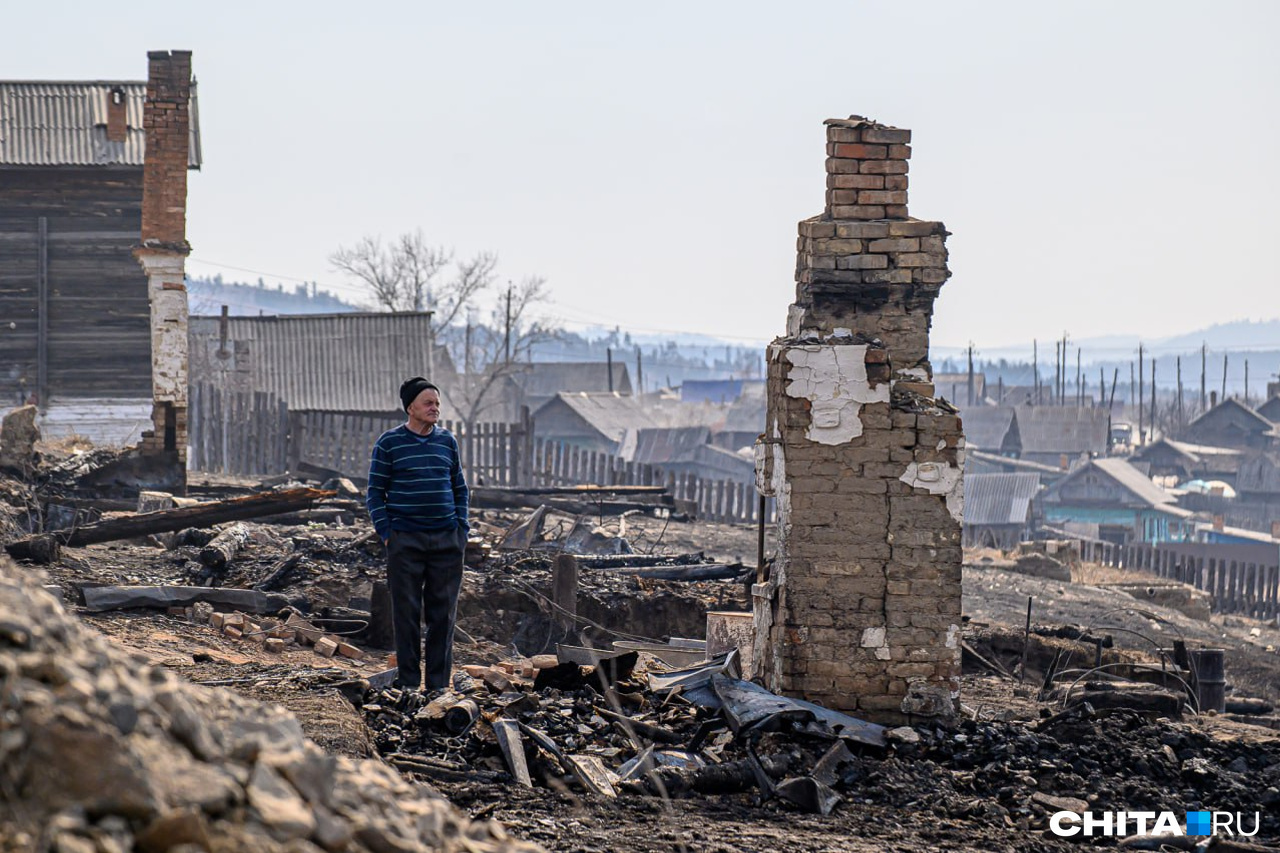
(999, 498)
(546, 378)
(1063, 429)
(985, 427)
(332, 362)
(1134, 480)
(611, 414)
(52, 123)
(661, 445)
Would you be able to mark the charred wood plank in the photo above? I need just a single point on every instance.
(164, 521)
(224, 547)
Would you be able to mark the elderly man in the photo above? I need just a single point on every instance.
(417, 499)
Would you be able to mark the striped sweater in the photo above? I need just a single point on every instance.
(416, 482)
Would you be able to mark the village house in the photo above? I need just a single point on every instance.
(1231, 424)
(1062, 435)
(75, 300)
(1111, 500)
(1168, 458)
(597, 422)
(686, 450)
(533, 384)
(993, 429)
(998, 509)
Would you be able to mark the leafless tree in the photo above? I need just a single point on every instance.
(494, 352)
(406, 275)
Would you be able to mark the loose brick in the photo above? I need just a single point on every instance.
(859, 152)
(886, 135)
(326, 647)
(275, 645)
(878, 167)
(882, 197)
(861, 211)
(894, 245)
(349, 651)
(860, 182)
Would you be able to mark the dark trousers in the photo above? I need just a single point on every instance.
(424, 574)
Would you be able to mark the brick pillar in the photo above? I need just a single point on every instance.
(163, 249)
(862, 610)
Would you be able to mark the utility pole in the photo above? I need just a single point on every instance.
(1062, 396)
(608, 354)
(1246, 381)
(639, 373)
(508, 337)
(1153, 398)
(1079, 381)
(1102, 387)
(1035, 368)
(1204, 396)
(970, 374)
(1223, 398)
(1057, 373)
(1141, 365)
(1180, 415)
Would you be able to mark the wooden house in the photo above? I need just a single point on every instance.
(596, 422)
(1232, 424)
(997, 509)
(77, 335)
(1061, 435)
(992, 429)
(1112, 500)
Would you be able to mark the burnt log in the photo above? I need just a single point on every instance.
(224, 547)
(164, 521)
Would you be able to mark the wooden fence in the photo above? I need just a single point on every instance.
(256, 434)
(1241, 578)
(560, 464)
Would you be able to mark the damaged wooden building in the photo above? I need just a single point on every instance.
(78, 331)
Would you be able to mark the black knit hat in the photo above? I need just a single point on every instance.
(411, 388)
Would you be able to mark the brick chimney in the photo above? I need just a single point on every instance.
(117, 115)
(163, 247)
(862, 609)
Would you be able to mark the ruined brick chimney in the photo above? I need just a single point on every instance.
(861, 611)
(164, 248)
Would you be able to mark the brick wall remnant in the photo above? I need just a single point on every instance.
(163, 248)
(862, 609)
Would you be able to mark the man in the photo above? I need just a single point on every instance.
(417, 499)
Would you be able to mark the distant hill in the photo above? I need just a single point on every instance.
(207, 296)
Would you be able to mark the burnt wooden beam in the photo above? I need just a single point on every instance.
(164, 521)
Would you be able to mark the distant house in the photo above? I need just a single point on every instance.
(1058, 435)
(1167, 457)
(1114, 501)
(319, 362)
(1258, 481)
(535, 383)
(721, 391)
(955, 387)
(686, 450)
(596, 422)
(992, 429)
(77, 336)
(997, 509)
(1232, 424)
(1270, 410)
(743, 421)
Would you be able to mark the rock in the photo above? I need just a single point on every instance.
(928, 700)
(1060, 804)
(178, 826)
(18, 437)
(278, 806)
(309, 769)
(903, 734)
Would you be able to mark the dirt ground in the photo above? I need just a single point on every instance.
(893, 807)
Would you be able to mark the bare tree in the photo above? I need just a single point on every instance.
(492, 353)
(406, 275)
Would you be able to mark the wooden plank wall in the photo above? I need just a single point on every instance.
(1242, 579)
(98, 319)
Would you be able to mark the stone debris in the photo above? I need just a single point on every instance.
(97, 748)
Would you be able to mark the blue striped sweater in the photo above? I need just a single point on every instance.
(416, 482)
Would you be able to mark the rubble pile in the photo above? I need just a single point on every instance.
(100, 752)
(568, 729)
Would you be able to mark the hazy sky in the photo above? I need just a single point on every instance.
(1104, 166)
